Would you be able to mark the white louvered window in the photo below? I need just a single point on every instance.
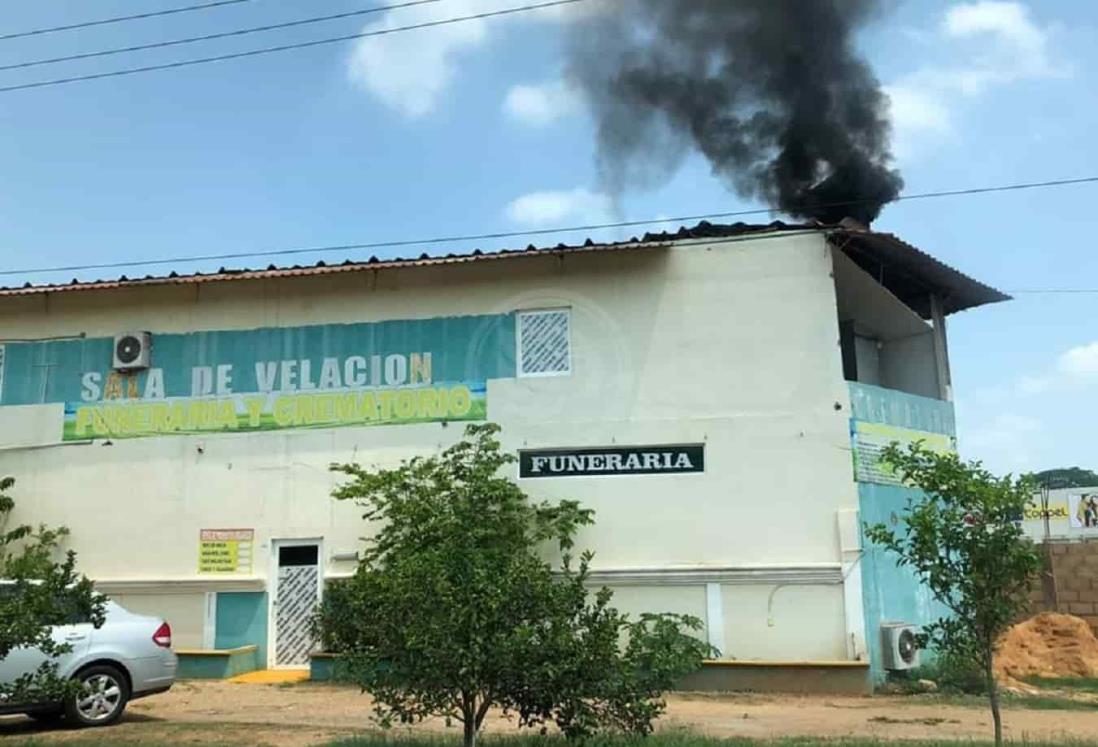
(544, 343)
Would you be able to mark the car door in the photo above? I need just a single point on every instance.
(26, 659)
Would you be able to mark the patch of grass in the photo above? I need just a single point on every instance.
(1077, 684)
(952, 675)
(668, 739)
(1049, 703)
(1009, 702)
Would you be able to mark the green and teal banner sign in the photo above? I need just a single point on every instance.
(319, 376)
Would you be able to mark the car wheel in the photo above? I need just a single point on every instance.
(102, 698)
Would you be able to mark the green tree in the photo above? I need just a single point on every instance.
(454, 610)
(1066, 477)
(36, 593)
(963, 538)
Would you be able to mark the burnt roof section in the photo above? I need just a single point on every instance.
(906, 271)
(909, 273)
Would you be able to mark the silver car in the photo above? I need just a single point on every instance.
(129, 657)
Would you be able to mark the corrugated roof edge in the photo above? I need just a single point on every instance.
(883, 246)
(700, 231)
(910, 273)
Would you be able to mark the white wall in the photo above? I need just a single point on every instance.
(785, 622)
(907, 364)
(732, 345)
(904, 358)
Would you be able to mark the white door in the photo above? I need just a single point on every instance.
(296, 593)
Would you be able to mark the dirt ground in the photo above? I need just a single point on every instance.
(311, 714)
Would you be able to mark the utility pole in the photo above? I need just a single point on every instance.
(1049, 593)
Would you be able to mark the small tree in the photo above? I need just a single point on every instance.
(962, 537)
(37, 592)
(453, 610)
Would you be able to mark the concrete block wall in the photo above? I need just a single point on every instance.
(1075, 570)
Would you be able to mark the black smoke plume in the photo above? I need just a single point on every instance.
(772, 92)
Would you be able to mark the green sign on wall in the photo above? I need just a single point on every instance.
(319, 376)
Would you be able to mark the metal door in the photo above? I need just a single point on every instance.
(297, 592)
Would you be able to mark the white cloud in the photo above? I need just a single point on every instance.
(1000, 44)
(541, 104)
(1005, 442)
(1032, 421)
(554, 207)
(915, 111)
(1034, 384)
(1018, 47)
(410, 71)
(1007, 20)
(1079, 361)
(1074, 369)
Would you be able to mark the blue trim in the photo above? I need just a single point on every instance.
(874, 404)
(242, 621)
(891, 593)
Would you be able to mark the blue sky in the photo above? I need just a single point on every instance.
(469, 128)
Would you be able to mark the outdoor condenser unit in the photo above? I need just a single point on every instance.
(132, 351)
(899, 648)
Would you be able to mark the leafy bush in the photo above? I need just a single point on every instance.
(953, 675)
(962, 537)
(36, 593)
(453, 609)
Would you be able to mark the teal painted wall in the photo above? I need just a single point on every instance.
(463, 348)
(891, 593)
(875, 404)
(205, 667)
(242, 621)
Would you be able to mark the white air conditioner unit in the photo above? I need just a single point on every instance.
(899, 647)
(132, 351)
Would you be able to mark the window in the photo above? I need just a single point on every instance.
(544, 347)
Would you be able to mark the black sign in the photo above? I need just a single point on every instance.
(614, 460)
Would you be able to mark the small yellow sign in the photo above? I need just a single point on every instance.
(225, 550)
(871, 439)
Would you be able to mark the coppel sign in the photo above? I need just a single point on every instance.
(614, 460)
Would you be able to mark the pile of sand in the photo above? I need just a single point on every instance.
(1048, 645)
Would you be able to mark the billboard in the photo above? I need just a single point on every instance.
(232, 381)
(1083, 511)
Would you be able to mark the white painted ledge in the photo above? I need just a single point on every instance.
(188, 585)
(807, 574)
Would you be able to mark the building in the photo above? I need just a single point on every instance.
(703, 391)
(1064, 520)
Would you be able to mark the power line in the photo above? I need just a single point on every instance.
(682, 219)
(210, 37)
(119, 19)
(285, 47)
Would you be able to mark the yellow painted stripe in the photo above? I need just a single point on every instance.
(271, 676)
